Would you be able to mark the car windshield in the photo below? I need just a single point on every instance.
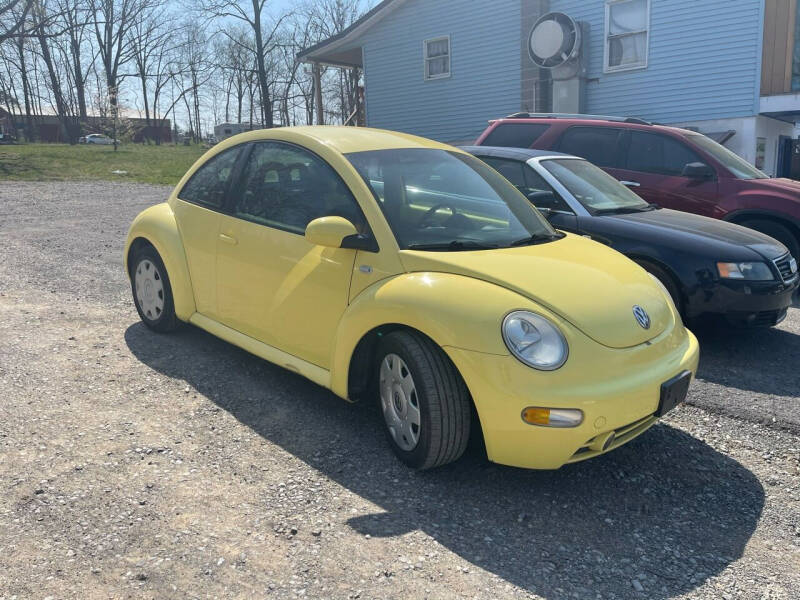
(596, 190)
(739, 168)
(448, 201)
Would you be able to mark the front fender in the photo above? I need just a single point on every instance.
(157, 225)
(453, 310)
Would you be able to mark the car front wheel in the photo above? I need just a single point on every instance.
(424, 402)
(152, 292)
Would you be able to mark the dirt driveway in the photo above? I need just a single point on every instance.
(134, 465)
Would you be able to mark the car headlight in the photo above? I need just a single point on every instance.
(751, 271)
(534, 340)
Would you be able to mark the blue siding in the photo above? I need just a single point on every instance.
(484, 67)
(704, 61)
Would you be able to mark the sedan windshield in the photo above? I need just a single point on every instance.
(448, 201)
(739, 168)
(596, 190)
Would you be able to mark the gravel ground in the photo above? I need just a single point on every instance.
(137, 465)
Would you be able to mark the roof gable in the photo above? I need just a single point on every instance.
(350, 35)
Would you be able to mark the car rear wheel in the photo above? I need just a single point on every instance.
(152, 293)
(424, 402)
(777, 231)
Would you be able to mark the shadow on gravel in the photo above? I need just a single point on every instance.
(757, 360)
(665, 510)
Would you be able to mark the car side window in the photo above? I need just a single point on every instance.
(209, 185)
(529, 182)
(510, 169)
(515, 135)
(542, 194)
(286, 187)
(655, 153)
(598, 145)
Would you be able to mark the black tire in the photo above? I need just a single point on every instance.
(441, 396)
(668, 281)
(778, 231)
(162, 320)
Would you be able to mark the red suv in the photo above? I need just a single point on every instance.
(672, 167)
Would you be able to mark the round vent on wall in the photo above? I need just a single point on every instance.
(555, 39)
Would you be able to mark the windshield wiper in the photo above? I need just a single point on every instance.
(619, 210)
(453, 245)
(536, 238)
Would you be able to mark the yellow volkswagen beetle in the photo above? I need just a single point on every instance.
(389, 267)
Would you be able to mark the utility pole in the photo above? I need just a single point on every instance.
(318, 93)
(114, 114)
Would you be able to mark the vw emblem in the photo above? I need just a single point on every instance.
(641, 316)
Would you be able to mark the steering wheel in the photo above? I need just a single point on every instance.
(433, 210)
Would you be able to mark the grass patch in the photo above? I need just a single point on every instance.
(164, 164)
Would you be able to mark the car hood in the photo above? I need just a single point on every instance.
(593, 287)
(780, 184)
(713, 235)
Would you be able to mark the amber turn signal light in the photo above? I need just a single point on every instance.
(552, 417)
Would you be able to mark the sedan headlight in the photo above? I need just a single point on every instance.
(751, 271)
(534, 340)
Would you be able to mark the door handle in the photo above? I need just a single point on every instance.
(228, 239)
(631, 183)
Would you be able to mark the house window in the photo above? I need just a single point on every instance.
(437, 57)
(627, 32)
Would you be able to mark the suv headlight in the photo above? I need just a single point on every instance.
(534, 340)
(751, 271)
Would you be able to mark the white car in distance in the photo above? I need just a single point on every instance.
(97, 138)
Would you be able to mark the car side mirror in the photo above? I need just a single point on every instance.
(698, 170)
(542, 197)
(329, 231)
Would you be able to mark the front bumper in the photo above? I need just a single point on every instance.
(743, 303)
(617, 390)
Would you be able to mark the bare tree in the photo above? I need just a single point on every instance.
(195, 70)
(13, 14)
(113, 19)
(252, 14)
(151, 42)
(237, 63)
(58, 80)
(76, 16)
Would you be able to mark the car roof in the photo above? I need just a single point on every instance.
(523, 154)
(341, 138)
(593, 120)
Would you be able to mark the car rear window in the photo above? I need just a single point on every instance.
(515, 135)
(598, 145)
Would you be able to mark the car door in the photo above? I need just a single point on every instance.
(198, 212)
(272, 284)
(653, 168)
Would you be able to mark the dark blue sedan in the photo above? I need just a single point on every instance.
(708, 266)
